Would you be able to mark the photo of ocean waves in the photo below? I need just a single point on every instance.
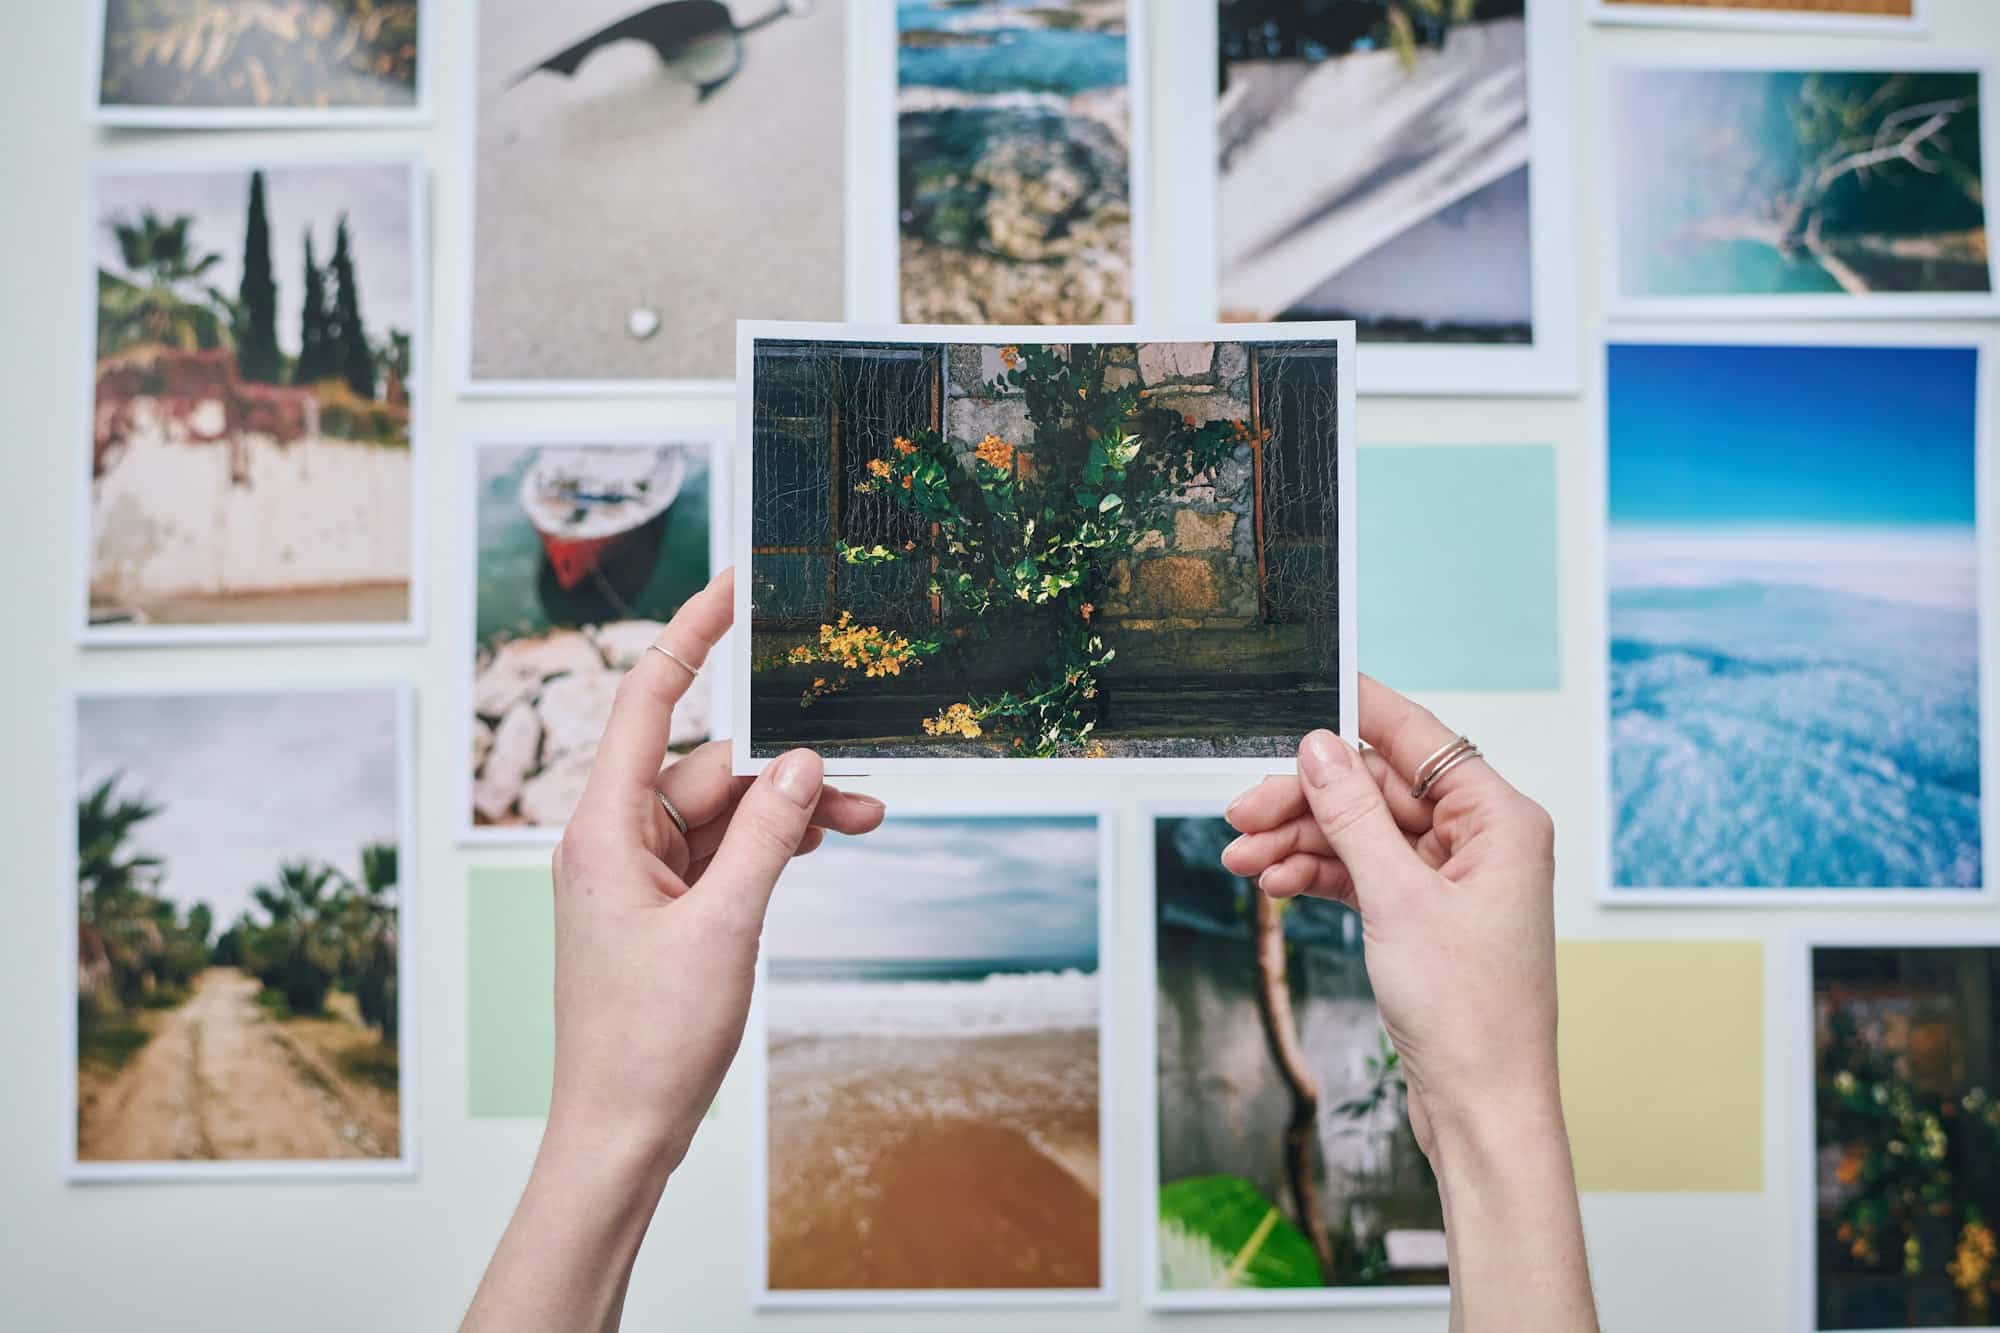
(1795, 709)
(926, 998)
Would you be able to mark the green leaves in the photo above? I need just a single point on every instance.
(1221, 1233)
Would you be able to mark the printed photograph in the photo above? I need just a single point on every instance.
(1286, 1159)
(237, 962)
(1768, 183)
(1043, 551)
(644, 176)
(250, 454)
(934, 1021)
(1373, 165)
(1906, 1137)
(1014, 161)
(246, 60)
(586, 550)
(1794, 617)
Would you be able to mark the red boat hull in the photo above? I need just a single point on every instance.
(575, 561)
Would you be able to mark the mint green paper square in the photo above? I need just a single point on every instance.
(1457, 555)
(510, 980)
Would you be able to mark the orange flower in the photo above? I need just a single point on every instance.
(996, 453)
(1188, 417)
(1087, 609)
(878, 467)
(1009, 355)
(906, 482)
(904, 447)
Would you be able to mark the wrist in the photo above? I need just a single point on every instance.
(1488, 1149)
(608, 1160)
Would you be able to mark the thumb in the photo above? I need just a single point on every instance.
(765, 831)
(1348, 807)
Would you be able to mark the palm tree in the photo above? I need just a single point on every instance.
(116, 921)
(161, 299)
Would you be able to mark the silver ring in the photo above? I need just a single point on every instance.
(1440, 763)
(673, 814)
(674, 657)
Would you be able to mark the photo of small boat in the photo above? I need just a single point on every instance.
(587, 503)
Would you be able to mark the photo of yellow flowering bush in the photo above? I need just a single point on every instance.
(1043, 550)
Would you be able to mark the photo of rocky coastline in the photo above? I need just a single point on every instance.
(1014, 162)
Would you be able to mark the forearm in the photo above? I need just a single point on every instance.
(566, 1257)
(1512, 1225)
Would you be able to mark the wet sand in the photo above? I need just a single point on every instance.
(901, 1163)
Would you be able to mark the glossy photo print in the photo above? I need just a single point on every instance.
(1015, 152)
(240, 994)
(932, 1074)
(644, 175)
(252, 63)
(586, 548)
(1794, 567)
(250, 468)
(1902, 1108)
(1378, 163)
(1263, 1019)
(1893, 17)
(1833, 191)
(1030, 548)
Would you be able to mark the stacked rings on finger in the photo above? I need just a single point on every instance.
(680, 822)
(682, 663)
(1444, 759)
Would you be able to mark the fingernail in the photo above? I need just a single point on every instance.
(866, 800)
(1321, 755)
(797, 778)
(1229, 811)
(1232, 847)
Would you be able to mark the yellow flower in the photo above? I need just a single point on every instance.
(1972, 1265)
(996, 453)
(878, 467)
(957, 720)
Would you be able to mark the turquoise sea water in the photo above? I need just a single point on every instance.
(998, 46)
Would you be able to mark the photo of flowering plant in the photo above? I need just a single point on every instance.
(1043, 549)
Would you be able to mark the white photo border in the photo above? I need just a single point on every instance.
(879, 119)
(1146, 900)
(1987, 346)
(1659, 15)
(757, 1056)
(715, 440)
(1838, 305)
(1802, 1064)
(742, 537)
(412, 627)
(408, 1011)
(853, 216)
(1547, 367)
(114, 116)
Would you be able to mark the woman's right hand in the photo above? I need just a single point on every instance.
(1456, 896)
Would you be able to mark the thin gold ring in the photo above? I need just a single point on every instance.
(674, 657)
(680, 821)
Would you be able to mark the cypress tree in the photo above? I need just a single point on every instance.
(349, 355)
(312, 323)
(257, 343)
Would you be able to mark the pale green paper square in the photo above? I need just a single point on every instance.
(510, 984)
(1457, 556)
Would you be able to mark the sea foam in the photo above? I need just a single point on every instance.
(993, 1005)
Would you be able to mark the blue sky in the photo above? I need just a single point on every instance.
(945, 889)
(1804, 436)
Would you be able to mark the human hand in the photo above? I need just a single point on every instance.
(1456, 896)
(657, 931)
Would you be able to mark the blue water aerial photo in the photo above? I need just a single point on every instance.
(1794, 617)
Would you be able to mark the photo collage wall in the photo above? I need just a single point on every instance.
(1075, 491)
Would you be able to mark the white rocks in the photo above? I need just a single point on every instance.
(517, 671)
(517, 744)
(1165, 361)
(573, 710)
(549, 797)
(482, 742)
(622, 641)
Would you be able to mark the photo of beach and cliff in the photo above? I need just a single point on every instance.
(251, 431)
(1014, 132)
(1373, 165)
(1794, 574)
(586, 549)
(933, 1025)
(1285, 1156)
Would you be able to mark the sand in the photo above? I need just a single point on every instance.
(934, 1163)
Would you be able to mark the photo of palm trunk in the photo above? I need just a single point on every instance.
(1285, 1156)
(238, 978)
(1849, 184)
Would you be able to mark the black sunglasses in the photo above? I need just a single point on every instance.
(696, 40)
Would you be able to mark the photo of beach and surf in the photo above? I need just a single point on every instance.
(632, 197)
(1413, 219)
(1842, 183)
(1794, 573)
(934, 1019)
(1014, 161)
(238, 974)
(585, 549)
(1285, 1160)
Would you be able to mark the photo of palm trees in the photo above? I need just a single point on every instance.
(252, 61)
(1285, 1157)
(251, 428)
(238, 974)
